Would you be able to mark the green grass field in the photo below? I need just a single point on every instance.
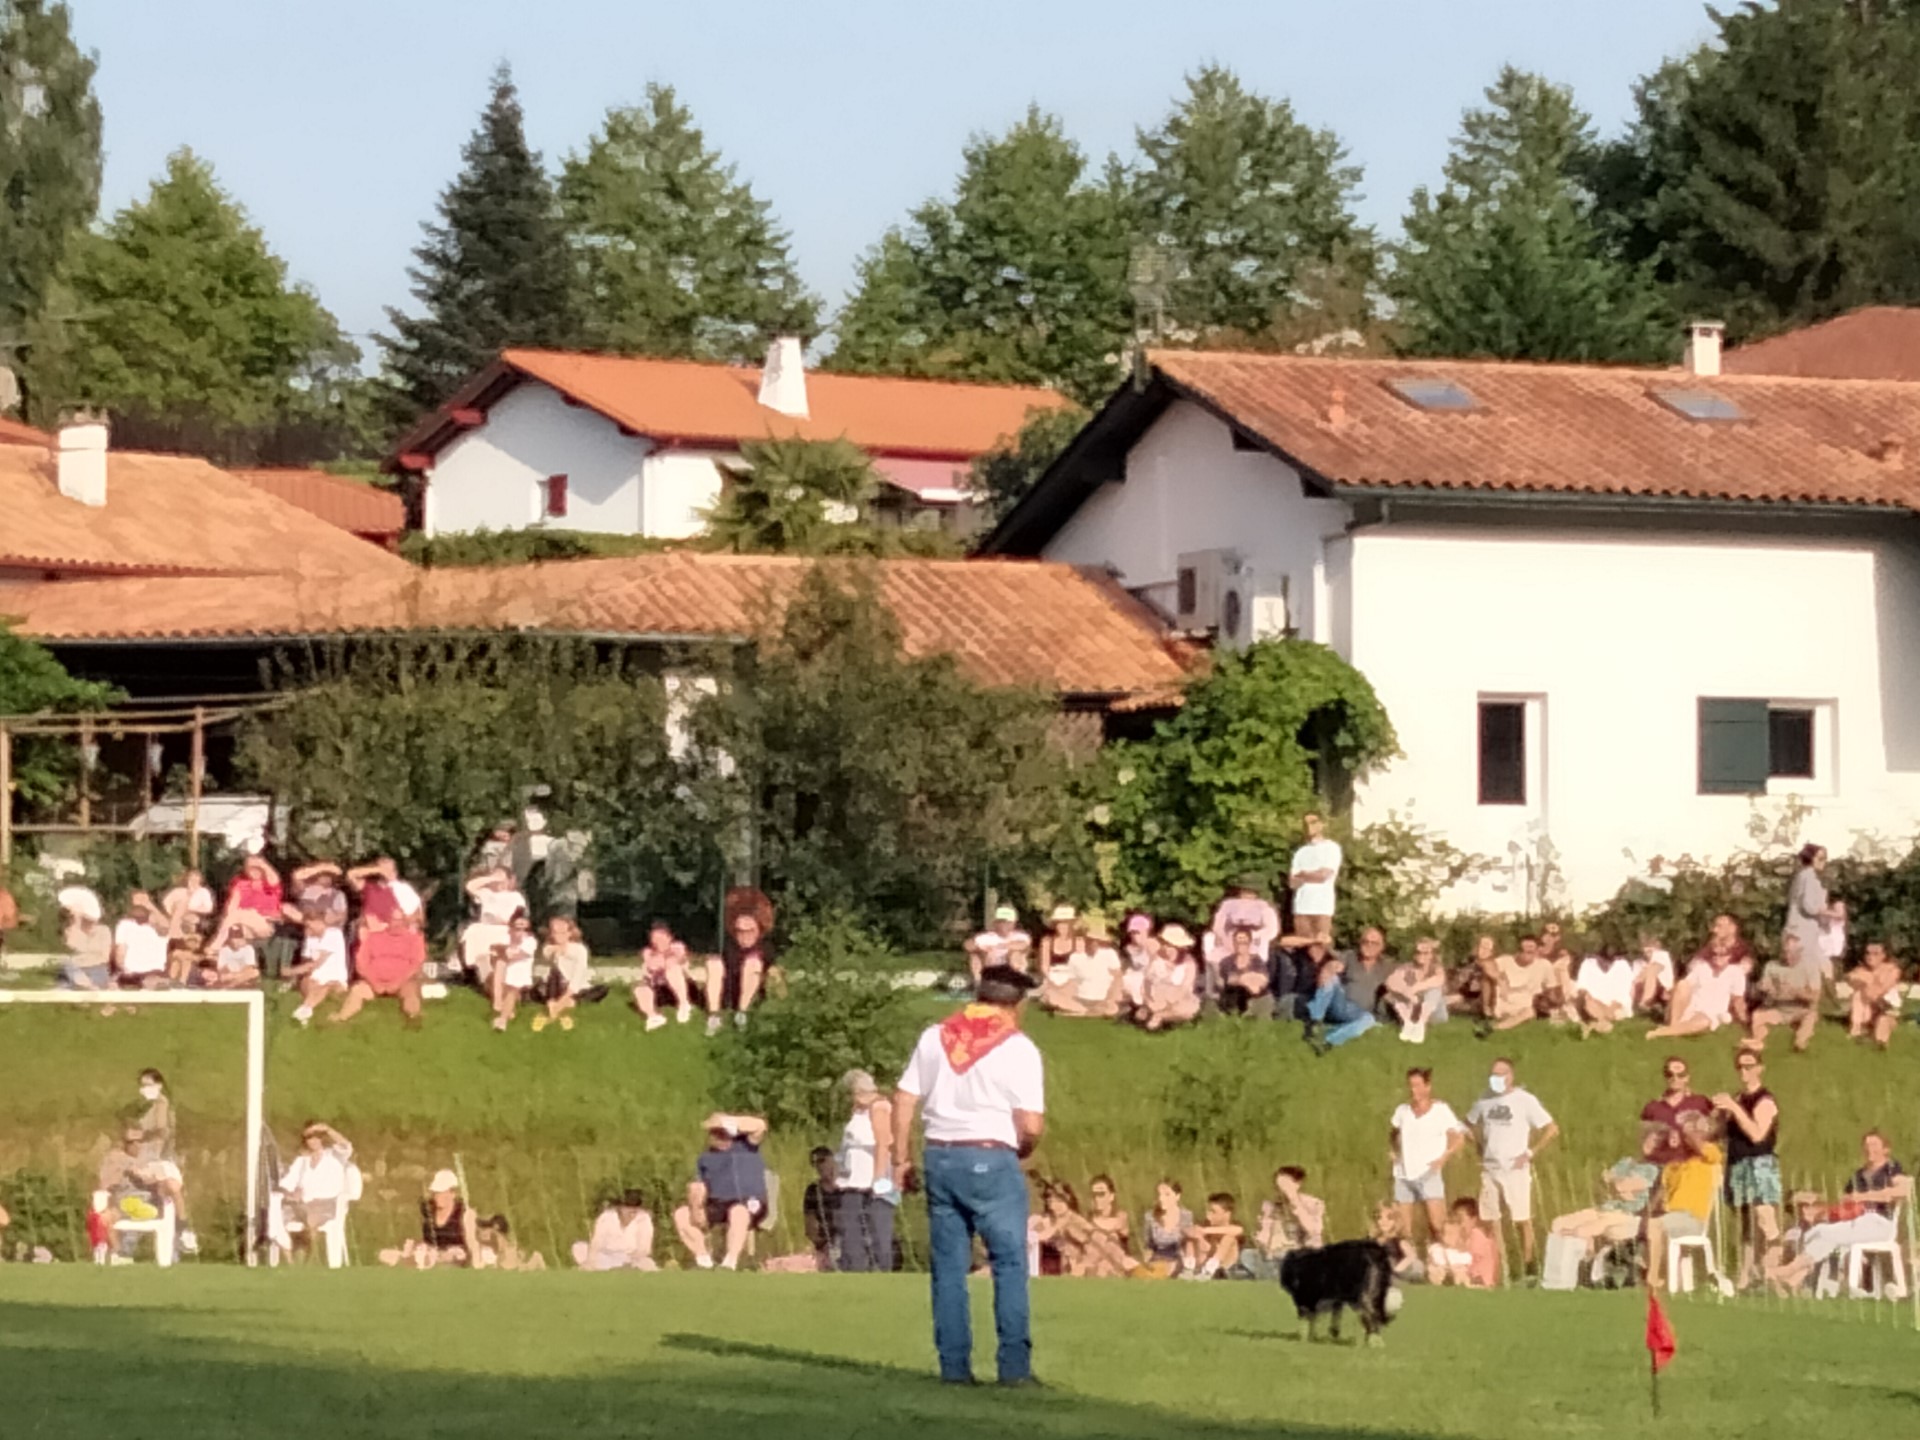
(545, 1124)
(206, 1353)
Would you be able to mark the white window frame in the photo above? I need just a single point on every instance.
(1534, 759)
(1826, 736)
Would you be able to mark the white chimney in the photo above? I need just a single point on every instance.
(1704, 338)
(82, 459)
(783, 383)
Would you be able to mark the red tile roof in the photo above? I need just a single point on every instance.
(366, 510)
(165, 514)
(12, 432)
(1571, 429)
(700, 403)
(1007, 622)
(1881, 342)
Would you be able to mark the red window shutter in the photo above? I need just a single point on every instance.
(556, 497)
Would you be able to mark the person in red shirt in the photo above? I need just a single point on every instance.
(1660, 1117)
(253, 901)
(391, 948)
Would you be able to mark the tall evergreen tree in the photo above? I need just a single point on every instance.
(1506, 261)
(678, 255)
(186, 321)
(1254, 209)
(493, 271)
(1775, 175)
(49, 157)
(1021, 276)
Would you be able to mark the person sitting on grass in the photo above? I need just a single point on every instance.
(1687, 1187)
(1714, 992)
(1469, 990)
(1172, 984)
(567, 977)
(1522, 985)
(1164, 1230)
(496, 1249)
(1629, 1184)
(1389, 1232)
(510, 976)
(254, 900)
(1417, 991)
(1603, 991)
(729, 1195)
(1084, 1250)
(1106, 1214)
(390, 950)
(1003, 942)
(819, 1210)
(1790, 989)
(1291, 1220)
(734, 978)
(88, 941)
(1243, 973)
(663, 978)
(1653, 977)
(1465, 1254)
(1139, 949)
(139, 948)
(449, 1232)
(497, 899)
(1087, 982)
(1213, 1248)
(322, 971)
(234, 965)
(1333, 1007)
(1873, 1007)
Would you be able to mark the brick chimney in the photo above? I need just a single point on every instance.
(1704, 339)
(783, 382)
(81, 456)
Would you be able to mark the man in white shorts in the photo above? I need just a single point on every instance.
(1511, 1126)
(1425, 1134)
(1315, 868)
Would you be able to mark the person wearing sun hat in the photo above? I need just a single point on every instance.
(1139, 949)
(1172, 981)
(1063, 939)
(1088, 982)
(979, 1086)
(448, 1230)
(1003, 942)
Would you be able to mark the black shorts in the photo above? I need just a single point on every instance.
(717, 1211)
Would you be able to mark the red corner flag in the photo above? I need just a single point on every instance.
(1660, 1341)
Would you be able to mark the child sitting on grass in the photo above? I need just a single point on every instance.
(1390, 1234)
(1465, 1253)
(1213, 1247)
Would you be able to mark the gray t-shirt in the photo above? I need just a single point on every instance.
(1506, 1124)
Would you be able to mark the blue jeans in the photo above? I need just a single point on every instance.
(977, 1192)
(1350, 1021)
(74, 976)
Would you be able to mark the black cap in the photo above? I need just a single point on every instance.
(1004, 985)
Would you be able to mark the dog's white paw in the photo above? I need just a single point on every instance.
(1394, 1301)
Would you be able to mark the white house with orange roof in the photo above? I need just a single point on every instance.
(1614, 614)
(625, 445)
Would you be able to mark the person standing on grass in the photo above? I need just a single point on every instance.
(1423, 1136)
(864, 1199)
(979, 1087)
(1753, 1165)
(1312, 876)
(1512, 1127)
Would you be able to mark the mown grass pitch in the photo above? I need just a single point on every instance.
(207, 1353)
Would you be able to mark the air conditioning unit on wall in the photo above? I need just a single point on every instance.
(1252, 607)
(1203, 577)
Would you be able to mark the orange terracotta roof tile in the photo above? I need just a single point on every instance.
(1571, 429)
(1007, 622)
(165, 514)
(702, 403)
(12, 432)
(365, 510)
(1880, 342)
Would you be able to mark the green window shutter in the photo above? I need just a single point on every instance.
(1734, 740)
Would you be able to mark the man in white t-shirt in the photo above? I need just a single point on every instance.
(1512, 1127)
(323, 968)
(1315, 868)
(1603, 991)
(315, 1184)
(139, 946)
(1001, 943)
(1424, 1135)
(980, 1087)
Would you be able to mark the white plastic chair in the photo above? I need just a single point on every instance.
(164, 1228)
(1860, 1257)
(332, 1235)
(1684, 1249)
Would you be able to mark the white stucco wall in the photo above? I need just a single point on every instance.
(1188, 489)
(492, 478)
(677, 487)
(1620, 633)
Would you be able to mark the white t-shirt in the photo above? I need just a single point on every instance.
(1506, 1124)
(1713, 994)
(330, 949)
(406, 898)
(1091, 974)
(520, 955)
(497, 907)
(978, 1105)
(232, 959)
(1609, 984)
(1423, 1138)
(1316, 898)
(993, 948)
(144, 949)
(308, 1179)
(1661, 963)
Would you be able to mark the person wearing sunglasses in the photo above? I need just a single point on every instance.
(1753, 1168)
(1661, 1116)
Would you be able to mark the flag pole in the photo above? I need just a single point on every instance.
(1653, 1381)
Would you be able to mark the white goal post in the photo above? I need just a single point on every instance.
(256, 1004)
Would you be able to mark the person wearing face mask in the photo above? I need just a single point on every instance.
(1511, 1126)
(158, 1155)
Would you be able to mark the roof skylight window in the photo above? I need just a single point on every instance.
(1434, 394)
(1700, 405)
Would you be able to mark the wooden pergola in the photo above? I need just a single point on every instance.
(149, 722)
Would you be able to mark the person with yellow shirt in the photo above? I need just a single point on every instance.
(1687, 1187)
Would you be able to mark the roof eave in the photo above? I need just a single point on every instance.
(1478, 495)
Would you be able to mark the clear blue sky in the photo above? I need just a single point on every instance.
(337, 122)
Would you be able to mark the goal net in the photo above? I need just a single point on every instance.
(71, 1062)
